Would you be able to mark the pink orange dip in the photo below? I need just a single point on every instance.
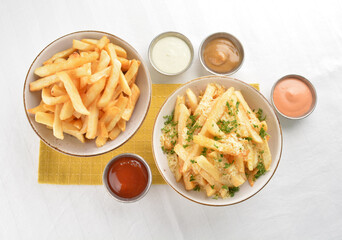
(292, 97)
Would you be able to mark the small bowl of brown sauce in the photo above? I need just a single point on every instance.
(221, 53)
(127, 177)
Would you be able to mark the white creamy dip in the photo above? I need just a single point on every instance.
(171, 55)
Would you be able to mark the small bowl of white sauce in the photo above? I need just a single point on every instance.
(171, 53)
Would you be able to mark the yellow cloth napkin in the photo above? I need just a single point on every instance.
(57, 168)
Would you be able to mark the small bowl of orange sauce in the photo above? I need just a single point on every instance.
(294, 97)
(221, 53)
(127, 177)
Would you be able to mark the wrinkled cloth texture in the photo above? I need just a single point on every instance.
(303, 200)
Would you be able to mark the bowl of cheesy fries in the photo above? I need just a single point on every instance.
(217, 141)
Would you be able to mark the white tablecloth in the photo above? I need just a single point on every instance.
(302, 201)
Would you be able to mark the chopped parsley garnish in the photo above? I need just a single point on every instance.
(263, 133)
(216, 138)
(166, 130)
(192, 178)
(216, 197)
(233, 190)
(216, 146)
(167, 151)
(260, 116)
(262, 170)
(237, 106)
(168, 118)
(226, 126)
(227, 165)
(197, 188)
(204, 151)
(255, 126)
(248, 138)
(185, 145)
(212, 186)
(193, 161)
(225, 187)
(230, 111)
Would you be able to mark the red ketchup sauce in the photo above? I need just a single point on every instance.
(127, 177)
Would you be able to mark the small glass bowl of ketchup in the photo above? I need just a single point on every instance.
(294, 97)
(127, 177)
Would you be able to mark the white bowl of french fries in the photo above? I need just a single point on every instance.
(217, 141)
(87, 93)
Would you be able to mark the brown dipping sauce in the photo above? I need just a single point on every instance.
(221, 55)
(127, 177)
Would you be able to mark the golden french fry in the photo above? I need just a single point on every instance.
(48, 99)
(192, 100)
(69, 64)
(92, 121)
(131, 103)
(111, 52)
(101, 74)
(77, 123)
(120, 52)
(121, 104)
(84, 128)
(125, 64)
(123, 83)
(103, 62)
(110, 114)
(57, 123)
(100, 141)
(66, 111)
(73, 131)
(50, 108)
(59, 60)
(114, 133)
(44, 118)
(180, 100)
(182, 121)
(73, 93)
(39, 108)
(43, 83)
(94, 91)
(132, 71)
(208, 167)
(206, 99)
(110, 86)
(62, 54)
(122, 124)
(57, 91)
(82, 45)
(103, 130)
(90, 41)
(102, 42)
(230, 147)
(189, 185)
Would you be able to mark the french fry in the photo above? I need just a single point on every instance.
(125, 64)
(266, 155)
(192, 100)
(73, 131)
(66, 111)
(59, 60)
(57, 91)
(94, 91)
(180, 100)
(50, 108)
(92, 121)
(182, 129)
(110, 86)
(39, 108)
(206, 99)
(124, 85)
(102, 42)
(100, 141)
(103, 131)
(73, 93)
(109, 114)
(208, 167)
(62, 54)
(103, 62)
(231, 148)
(132, 100)
(122, 124)
(132, 71)
(189, 185)
(77, 123)
(253, 119)
(253, 134)
(43, 83)
(82, 45)
(101, 74)
(114, 133)
(69, 64)
(44, 118)
(48, 99)
(90, 41)
(121, 104)
(57, 123)
(111, 52)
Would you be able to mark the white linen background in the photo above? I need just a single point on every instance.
(302, 201)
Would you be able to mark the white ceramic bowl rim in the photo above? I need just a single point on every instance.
(95, 154)
(270, 107)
